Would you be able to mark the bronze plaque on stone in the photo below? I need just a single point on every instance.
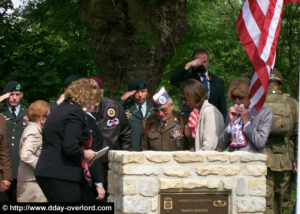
(177, 203)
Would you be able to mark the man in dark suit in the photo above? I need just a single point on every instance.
(199, 70)
(137, 109)
(16, 120)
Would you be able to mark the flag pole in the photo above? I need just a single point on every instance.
(298, 152)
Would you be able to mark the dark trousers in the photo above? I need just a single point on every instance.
(57, 190)
(12, 191)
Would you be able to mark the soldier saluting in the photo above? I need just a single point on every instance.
(280, 147)
(16, 119)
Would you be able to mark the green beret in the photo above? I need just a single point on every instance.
(12, 86)
(137, 84)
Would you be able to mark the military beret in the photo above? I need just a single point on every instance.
(12, 86)
(70, 79)
(98, 81)
(160, 98)
(137, 84)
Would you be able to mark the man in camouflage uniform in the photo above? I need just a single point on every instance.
(163, 131)
(16, 119)
(280, 145)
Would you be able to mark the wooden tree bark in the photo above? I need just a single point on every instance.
(133, 38)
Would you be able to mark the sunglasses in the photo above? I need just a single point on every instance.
(234, 97)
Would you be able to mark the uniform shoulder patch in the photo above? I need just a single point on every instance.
(111, 112)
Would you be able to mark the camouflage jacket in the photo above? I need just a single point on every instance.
(280, 147)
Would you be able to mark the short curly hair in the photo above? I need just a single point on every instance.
(83, 91)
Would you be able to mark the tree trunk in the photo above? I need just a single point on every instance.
(133, 38)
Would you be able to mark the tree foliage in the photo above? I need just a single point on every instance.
(41, 44)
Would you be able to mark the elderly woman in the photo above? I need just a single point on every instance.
(247, 129)
(66, 144)
(205, 122)
(30, 148)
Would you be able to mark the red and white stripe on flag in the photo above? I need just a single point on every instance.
(258, 26)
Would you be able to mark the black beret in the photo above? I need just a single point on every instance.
(137, 84)
(12, 86)
(70, 79)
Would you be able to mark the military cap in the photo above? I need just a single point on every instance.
(98, 81)
(12, 86)
(276, 76)
(160, 98)
(137, 84)
(70, 79)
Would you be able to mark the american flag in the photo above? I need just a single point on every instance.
(258, 26)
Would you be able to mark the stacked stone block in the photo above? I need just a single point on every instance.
(136, 178)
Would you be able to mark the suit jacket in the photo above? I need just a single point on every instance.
(135, 120)
(30, 148)
(171, 138)
(15, 129)
(216, 97)
(114, 126)
(65, 130)
(5, 165)
(210, 125)
(256, 132)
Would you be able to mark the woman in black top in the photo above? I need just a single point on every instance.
(59, 170)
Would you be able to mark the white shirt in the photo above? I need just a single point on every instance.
(18, 107)
(144, 108)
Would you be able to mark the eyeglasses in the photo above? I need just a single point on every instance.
(234, 97)
(164, 110)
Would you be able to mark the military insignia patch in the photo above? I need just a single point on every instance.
(18, 87)
(111, 112)
(113, 122)
(128, 114)
(162, 100)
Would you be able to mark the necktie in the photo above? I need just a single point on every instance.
(204, 81)
(13, 112)
(163, 125)
(140, 110)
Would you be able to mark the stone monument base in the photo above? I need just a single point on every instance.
(168, 182)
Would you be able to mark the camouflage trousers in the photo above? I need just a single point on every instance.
(277, 185)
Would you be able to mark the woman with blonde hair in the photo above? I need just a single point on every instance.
(66, 136)
(206, 121)
(246, 129)
(30, 148)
